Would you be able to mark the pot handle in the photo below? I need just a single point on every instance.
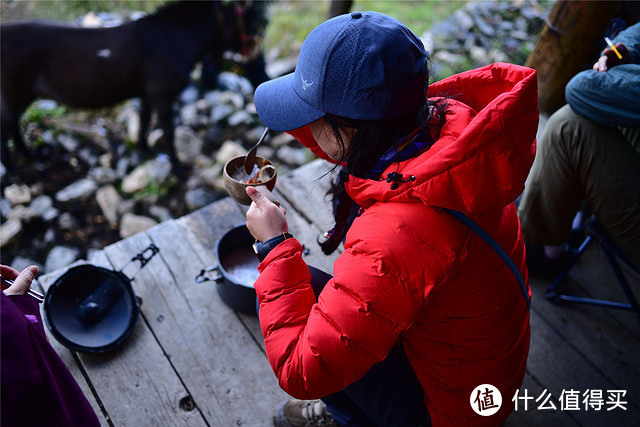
(143, 257)
(204, 276)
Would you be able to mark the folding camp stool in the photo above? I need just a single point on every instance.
(613, 254)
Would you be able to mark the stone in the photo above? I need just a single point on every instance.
(78, 191)
(10, 232)
(188, 144)
(61, 256)
(235, 83)
(198, 198)
(109, 199)
(23, 214)
(189, 115)
(103, 175)
(221, 112)
(127, 206)
(228, 151)
(189, 95)
(232, 98)
(50, 214)
(132, 224)
(293, 156)
(20, 263)
(160, 213)
(133, 127)
(281, 140)
(18, 194)
(41, 204)
(67, 221)
(239, 118)
(154, 137)
(5, 207)
(135, 181)
(479, 55)
(69, 143)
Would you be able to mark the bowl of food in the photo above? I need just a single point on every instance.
(236, 180)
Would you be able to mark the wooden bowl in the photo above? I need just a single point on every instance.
(238, 189)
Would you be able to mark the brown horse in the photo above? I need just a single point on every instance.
(150, 59)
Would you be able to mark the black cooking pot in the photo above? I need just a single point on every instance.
(93, 309)
(236, 271)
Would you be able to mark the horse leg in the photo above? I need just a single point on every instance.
(145, 118)
(165, 117)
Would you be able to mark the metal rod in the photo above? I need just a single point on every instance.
(34, 294)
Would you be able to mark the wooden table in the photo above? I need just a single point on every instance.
(193, 361)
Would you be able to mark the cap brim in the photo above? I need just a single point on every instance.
(280, 108)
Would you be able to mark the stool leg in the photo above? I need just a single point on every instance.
(552, 294)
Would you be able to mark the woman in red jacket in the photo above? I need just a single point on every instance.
(420, 311)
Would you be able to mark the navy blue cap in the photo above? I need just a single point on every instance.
(362, 65)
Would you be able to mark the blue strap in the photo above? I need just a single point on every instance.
(496, 247)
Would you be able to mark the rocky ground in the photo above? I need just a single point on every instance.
(86, 185)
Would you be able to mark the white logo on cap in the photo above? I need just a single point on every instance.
(305, 84)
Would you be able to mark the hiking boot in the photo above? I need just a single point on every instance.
(300, 413)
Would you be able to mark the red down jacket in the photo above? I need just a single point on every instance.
(411, 270)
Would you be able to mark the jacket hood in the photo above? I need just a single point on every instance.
(485, 149)
(483, 153)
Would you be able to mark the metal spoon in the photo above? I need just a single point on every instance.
(250, 159)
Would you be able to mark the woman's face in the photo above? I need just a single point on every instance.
(326, 139)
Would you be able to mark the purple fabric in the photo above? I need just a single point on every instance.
(37, 387)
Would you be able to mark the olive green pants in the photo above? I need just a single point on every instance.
(579, 160)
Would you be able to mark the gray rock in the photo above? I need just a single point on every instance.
(155, 171)
(50, 214)
(67, 221)
(281, 140)
(47, 104)
(293, 156)
(10, 232)
(280, 68)
(108, 199)
(239, 118)
(189, 95)
(221, 112)
(198, 198)
(24, 214)
(233, 82)
(61, 256)
(479, 55)
(88, 156)
(5, 207)
(78, 191)
(132, 224)
(188, 145)
(154, 137)
(133, 127)
(103, 175)
(127, 206)
(189, 115)
(41, 204)
(205, 177)
(463, 20)
(49, 237)
(122, 166)
(18, 194)
(20, 263)
(68, 142)
(228, 151)
(3, 171)
(160, 213)
(232, 98)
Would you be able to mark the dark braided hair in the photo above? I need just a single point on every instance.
(370, 141)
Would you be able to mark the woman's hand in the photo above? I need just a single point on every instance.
(264, 218)
(21, 281)
(610, 59)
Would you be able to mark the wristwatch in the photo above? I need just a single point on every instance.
(263, 248)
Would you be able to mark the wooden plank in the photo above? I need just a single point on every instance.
(556, 365)
(135, 382)
(530, 415)
(69, 357)
(216, 357)
(203, 229)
